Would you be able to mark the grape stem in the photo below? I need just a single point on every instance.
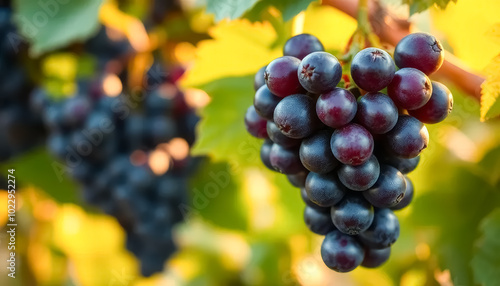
(391, 29)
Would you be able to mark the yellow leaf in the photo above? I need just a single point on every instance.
(490, 90)
(237, 48)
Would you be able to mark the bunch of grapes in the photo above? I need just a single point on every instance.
(20, 130)
(349, 150)
(129, 153)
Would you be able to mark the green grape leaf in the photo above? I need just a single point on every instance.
(231, 9)
(49, 25)
(39, 169)
(486, 262)
(288, 8)
(212, 189)
(490, 91)
(417, 6)
(221, 131)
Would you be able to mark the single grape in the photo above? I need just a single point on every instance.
(255, 124)
(325, 190)
(295, 116)
(317, 221)
(259, 78)
(341, 252)
(408, 138)
(265, 102)
(389, 189)
(383, 232)
(408, 196)
(410, 88)
(277, 137)
(298, 180)
(309, 203)
(377, 112)
(281, 76)
(352, 144)
(319, 72)
(372, 69)
(405, 166)
(301, 45)
(316, 154)
(375, 257)
(437, 108)
(285, 160)
(336, 108)
(265, 152)
(362, 177)
(353, 214)
(421, 51)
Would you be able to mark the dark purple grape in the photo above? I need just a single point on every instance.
(285, 160)
(265, 102)
(298, 180)
(336, 108)
(255, 124)
(353, 214)
(421, 51)
(317, 221)
(410, 88)
(383, 232)
(265, 152)
(281, 76)
(437, 108)
(277, 137)
(375, 257)
(352, 144)
(259, 78)
(325, 190)
(319, 72)
(341, 252)
(316, 154)
(372, 69)
(301, 45)
(408, 196)
(309, 203)
(408, 138)
(377, 112)
(405, 166)
(295, 116)
(389, 189)
(362, 177)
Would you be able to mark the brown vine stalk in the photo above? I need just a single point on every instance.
(390, 29)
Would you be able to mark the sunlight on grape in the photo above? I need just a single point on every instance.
(184, 52)
(414, 277)
(159, 162)
(138, 158)
(260, 196)
(178, 148)
(112, 85)
(422, 251)
(196, 98)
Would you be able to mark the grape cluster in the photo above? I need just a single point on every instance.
(20, 129)
(131, 163)
(349, 150)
